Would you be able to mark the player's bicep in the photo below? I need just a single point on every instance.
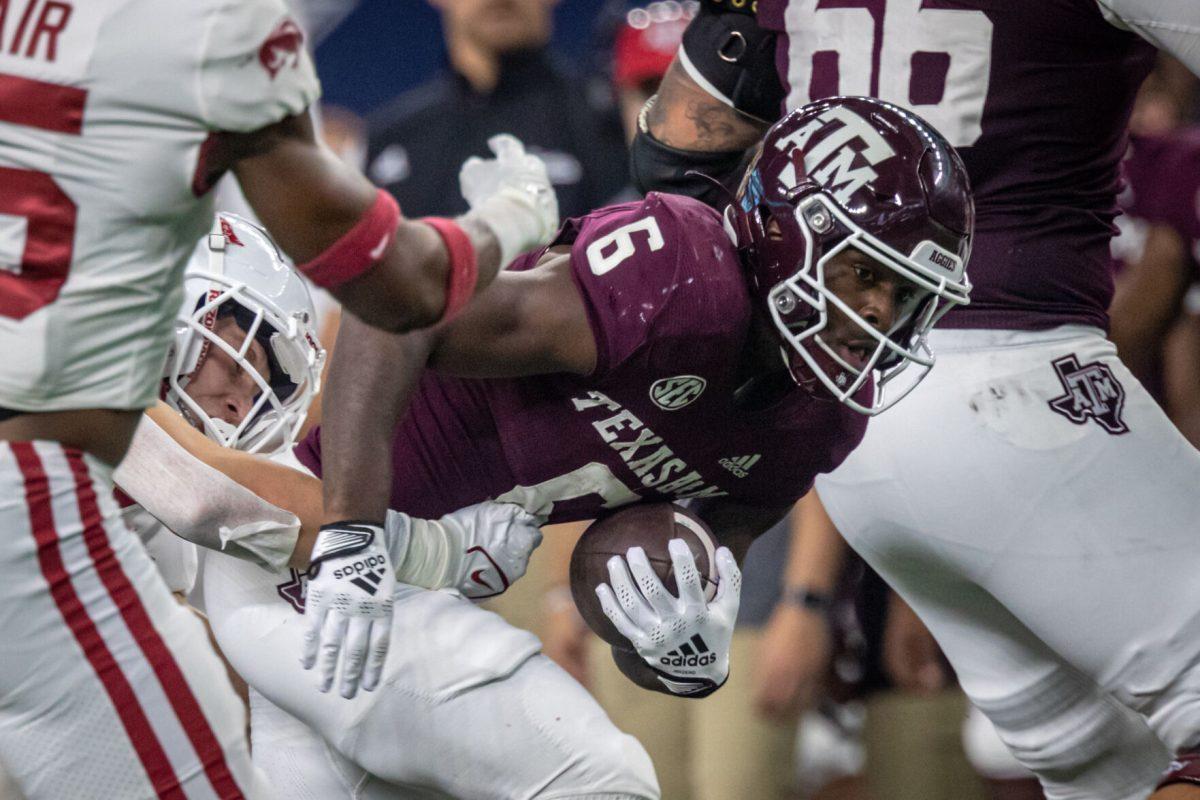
(530, 322)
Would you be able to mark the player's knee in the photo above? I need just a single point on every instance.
(1082, 744)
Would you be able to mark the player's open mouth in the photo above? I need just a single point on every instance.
(856, 352)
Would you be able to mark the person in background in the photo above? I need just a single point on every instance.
(502, 77)
(1154, 318)
(642, 49)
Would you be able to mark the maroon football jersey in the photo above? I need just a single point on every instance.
(658, 419)
(1035, 94)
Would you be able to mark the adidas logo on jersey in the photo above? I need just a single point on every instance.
(740, 465)
(687, 656)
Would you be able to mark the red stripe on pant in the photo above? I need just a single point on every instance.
(126, 599)
(141, 734)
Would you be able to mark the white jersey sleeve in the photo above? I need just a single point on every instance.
(1172, 26)
(106, 107)
(255, 66)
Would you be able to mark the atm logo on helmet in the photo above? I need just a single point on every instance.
(843, 156)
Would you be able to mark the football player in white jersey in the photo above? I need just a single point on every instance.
(497, 719)
(116, 116)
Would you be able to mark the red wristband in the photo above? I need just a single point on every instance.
(464, 269)
(359, 248)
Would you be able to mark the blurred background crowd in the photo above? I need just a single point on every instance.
(836, 690)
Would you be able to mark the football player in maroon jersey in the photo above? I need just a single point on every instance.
(649, 347)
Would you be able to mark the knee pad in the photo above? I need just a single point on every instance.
(986, 752)
(1082, 744)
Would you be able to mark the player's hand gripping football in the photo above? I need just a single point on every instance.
(479, 550)
(349, 606)
(512, 195)
(684, 639)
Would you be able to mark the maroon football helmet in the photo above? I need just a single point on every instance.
(854, 172)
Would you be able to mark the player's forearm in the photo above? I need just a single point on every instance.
(219, 499)
(1177, 791)
(817, 550)
(410, 286)
(685, 133)
(347, 236)
(371, 378)
(281, 486)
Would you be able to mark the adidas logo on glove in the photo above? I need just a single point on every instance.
(686, 656)
(369, 572)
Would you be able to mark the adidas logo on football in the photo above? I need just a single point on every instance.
(740, 465)
(687, 656)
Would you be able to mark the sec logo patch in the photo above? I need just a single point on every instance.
(672, 394)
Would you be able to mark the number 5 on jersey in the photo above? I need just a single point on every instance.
(37, 219)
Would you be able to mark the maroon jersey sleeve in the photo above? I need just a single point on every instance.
(637, 261)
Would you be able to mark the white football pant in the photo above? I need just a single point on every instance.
(108, 687)
(1042, 516)
(467, 708)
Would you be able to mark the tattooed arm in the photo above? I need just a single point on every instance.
(685, 116)
(709, 110)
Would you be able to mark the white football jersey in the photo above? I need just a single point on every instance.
(105, 109)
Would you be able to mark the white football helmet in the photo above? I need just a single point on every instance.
(237, 270)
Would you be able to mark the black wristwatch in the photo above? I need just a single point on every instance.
(803, 597)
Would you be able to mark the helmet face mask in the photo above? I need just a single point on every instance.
(790, 226)
(270, 305)
(803, 307)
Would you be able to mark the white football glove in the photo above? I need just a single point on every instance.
(349, 606)
(683, 639)
(479, 550)
(512, 195)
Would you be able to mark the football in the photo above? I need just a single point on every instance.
(649, 526)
